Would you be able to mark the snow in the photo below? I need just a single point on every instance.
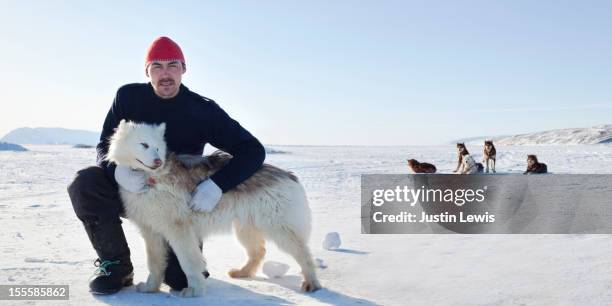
(593, 135)
(331, 241)
(44, 243)
(274, 269)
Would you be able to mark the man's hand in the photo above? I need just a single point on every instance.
(131, 180)
(206, 196)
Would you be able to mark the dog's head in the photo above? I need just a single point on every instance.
(488, 144)
(412, 163)
(138, 145)
(531, 160)
(461, 147)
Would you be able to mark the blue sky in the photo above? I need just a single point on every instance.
(328, 72)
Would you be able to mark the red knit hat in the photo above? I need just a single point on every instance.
(164, 49)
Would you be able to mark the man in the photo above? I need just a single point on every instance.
(191, 122)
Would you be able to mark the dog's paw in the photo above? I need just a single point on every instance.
(146, 288)
(239, 273)
(310, 286)
(191, 292)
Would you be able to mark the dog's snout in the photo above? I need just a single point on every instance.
(157, 162)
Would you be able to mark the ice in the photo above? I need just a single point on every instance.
(275, 269)
(320, 263)
(331, 241)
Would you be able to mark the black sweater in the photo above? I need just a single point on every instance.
(191, 122)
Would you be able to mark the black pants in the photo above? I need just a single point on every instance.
(95, 199)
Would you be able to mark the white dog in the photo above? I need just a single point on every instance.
(271, 204)
(468, 165)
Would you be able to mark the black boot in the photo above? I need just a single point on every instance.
(115, 269)
(174, 275)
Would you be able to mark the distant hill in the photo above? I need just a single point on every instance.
(473, 140)
(600, 134)
(274, 151)
(5, 146)
(44, 136)
(83, 146)
(77, 138)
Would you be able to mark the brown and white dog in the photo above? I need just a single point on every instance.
(417, 167)
(271, 204)
(469, 165)
(489, 154)
(461, 150)
(535, 167)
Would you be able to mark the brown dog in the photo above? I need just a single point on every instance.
(533, 166)
(461, 150)
(489, 154)
(421, 167)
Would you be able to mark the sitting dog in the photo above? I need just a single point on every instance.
(533, 166)
(461, 150)
(469, 165)
(489, 154)
(271, 204)
(417, 167)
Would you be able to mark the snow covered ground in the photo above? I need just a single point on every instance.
(44, 243)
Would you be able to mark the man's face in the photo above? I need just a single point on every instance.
(165, 77)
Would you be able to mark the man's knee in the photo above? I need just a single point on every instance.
(93, 194)
(85, 181)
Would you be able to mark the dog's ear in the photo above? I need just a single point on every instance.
(124, 126)
(161, 129)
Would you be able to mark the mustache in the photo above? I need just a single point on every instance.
(166, 80)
